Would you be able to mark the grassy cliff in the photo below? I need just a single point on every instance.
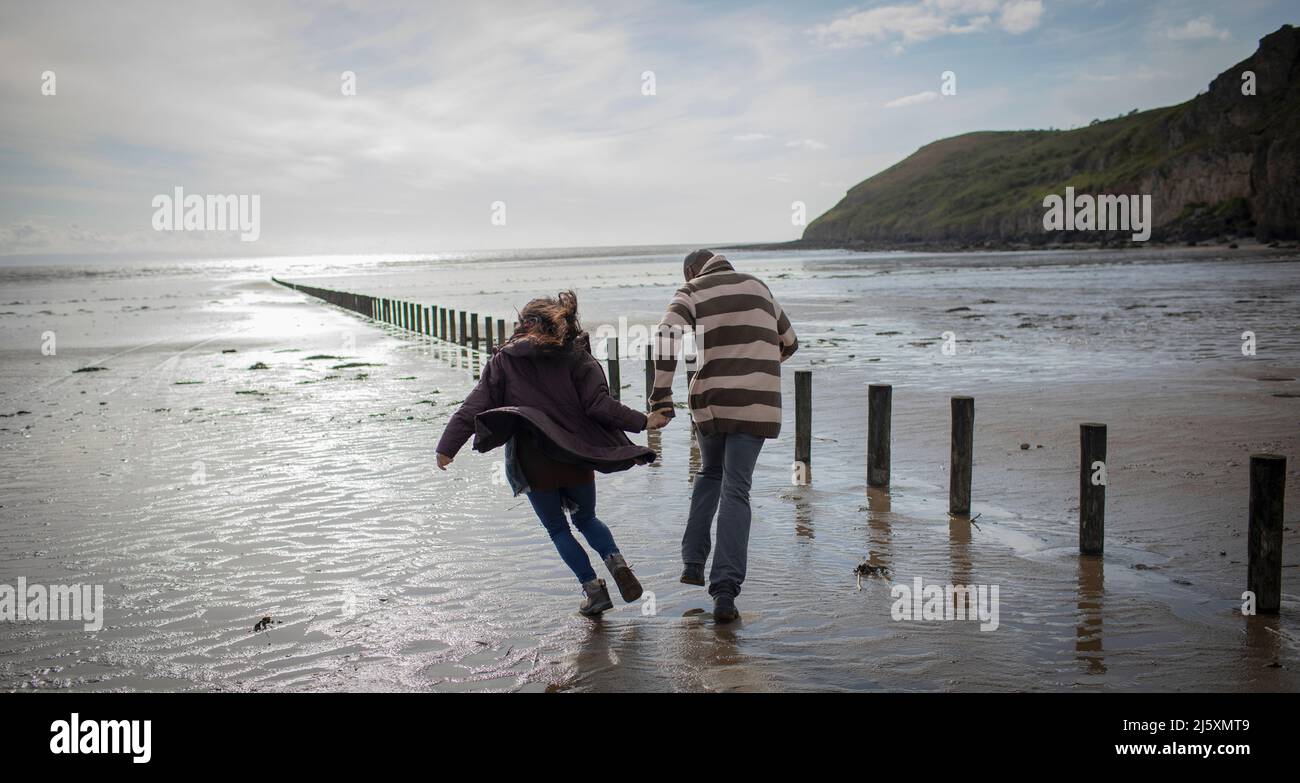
(1221, 163)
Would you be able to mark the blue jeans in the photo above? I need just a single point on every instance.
(581, 501)
(722, 487)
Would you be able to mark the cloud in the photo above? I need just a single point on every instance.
(1199, 29)
(807, 144)
(912, 100)
(927, 19)
(751, 137)
(1020, 16)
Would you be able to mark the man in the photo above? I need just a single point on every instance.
(742, 336)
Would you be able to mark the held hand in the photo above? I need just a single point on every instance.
(443, 461)
(656, 420)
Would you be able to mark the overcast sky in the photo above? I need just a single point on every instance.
(541, 106)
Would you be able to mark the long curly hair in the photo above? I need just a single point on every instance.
(551, 322)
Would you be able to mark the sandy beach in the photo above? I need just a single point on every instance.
(205, 494)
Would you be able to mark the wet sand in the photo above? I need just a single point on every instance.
(206, 495)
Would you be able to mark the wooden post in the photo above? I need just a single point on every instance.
(442, 323)
(803, 425)
(461, 333)
(501, 331)
(473, 330)
(428, 321)
(1264, 536)
(649, 373)
(963, 442)
(1092, 488)
(487, 337)
(879, 409)
(611, 361)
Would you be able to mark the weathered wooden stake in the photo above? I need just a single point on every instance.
(1264, 535)
(879, 405)
(1092, 488)
(803, 425)
(649, 374)
(501, 331)
(963, 442)
(462, 332)
(611, 360)
(473, 330)
(487, 337)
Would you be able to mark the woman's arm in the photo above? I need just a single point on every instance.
(461, 427)
(593, 391)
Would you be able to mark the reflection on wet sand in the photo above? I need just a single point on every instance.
(879, 535)
(654, 439)
(615, 655)
(959, 537)
(708, 657)
(603, 659)
(1088, 632)
(803, 511)
(1263, 647)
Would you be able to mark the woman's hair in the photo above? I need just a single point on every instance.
(550, 322)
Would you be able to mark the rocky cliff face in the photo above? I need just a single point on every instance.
(1222, 163)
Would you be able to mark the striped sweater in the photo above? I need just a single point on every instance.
(741, 338)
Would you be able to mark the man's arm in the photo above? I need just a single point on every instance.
(667, 341)
(785, 331)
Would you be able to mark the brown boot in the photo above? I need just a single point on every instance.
(597, 598)
(628, 586)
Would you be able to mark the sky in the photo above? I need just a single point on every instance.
(560, 124)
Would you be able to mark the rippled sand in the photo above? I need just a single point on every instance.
(205, 495)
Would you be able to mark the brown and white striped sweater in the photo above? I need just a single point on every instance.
(741, 337)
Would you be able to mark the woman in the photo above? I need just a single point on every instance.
(545, 398)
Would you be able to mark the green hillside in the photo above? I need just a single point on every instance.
(1220, 163)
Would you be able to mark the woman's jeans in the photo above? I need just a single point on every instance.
(581, 500)
(722, 487)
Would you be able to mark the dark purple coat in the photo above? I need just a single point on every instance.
(561, 395)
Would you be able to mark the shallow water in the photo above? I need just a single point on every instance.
(204, 495)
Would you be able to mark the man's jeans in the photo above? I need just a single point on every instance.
(726, 471)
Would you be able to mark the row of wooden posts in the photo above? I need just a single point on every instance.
(1267, 471)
